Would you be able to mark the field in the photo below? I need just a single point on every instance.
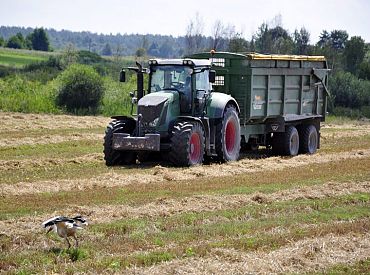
(261, 214)
(19, 58)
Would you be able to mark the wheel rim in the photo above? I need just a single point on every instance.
(312, 143)
(294, 144)
(230, 137)
(195, 148)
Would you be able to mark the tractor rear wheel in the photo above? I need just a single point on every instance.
(228, 136)
(187, 144)
(308, 139)
(116, 157)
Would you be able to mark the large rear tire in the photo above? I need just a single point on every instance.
(228, 136)
(286, 143)
(308, 139)
(187, 144)
(115, 157)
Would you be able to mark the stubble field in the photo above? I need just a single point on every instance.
(262, 214)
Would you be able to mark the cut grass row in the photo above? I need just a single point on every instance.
(70, 149)
(121, 242)
(67, 149)
(138, 194)
(19, 134)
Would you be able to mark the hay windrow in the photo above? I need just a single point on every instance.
(195, 204)
(44, 162)
(12, 142)
(160, 174)
(24, 122)
(308, 255)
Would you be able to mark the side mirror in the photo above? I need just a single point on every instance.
(122, 76)
(212, 76)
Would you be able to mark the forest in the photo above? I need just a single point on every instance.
(348, 56)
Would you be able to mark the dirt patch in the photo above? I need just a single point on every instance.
(196, 204)
(160, 174)
(308, 255)
(48, 139)
(19, 121)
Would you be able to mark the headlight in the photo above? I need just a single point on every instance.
(154, 122)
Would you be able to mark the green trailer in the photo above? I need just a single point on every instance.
(275, 94)
(210, 105)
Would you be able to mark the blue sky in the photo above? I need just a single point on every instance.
(172, 17)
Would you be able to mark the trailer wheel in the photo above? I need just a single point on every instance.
(228, 136)
(187, 141)
(116, 157)
(308, 139)
(286, 143)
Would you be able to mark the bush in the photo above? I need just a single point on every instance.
(81, 89)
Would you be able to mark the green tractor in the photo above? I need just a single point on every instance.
(179, 117)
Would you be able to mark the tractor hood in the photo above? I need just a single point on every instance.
(153, 107)
(158, 98)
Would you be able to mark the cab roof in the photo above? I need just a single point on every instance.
(185, 61)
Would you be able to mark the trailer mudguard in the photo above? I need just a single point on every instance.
(217, 102)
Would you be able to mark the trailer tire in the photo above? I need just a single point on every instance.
(228, 136)
(286, 143)
(116, 157)
(308, 139)
(187, 144)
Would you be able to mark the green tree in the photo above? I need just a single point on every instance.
(81, 89)
(275, 40)
(364, 70)
(345, 90)
(354, 53)
(140, 52)
(16, 42)
(332, 46)
(301, 40)
(107, 50)
(39, 40)
(2, 41)
(238, 44)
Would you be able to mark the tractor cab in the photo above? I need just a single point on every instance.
(190, 79)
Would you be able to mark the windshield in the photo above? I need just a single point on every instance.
(170, 78)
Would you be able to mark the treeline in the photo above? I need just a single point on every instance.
(36, 40)
(348, 57)
(107, 44)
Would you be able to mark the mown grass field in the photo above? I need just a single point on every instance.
(19, 58)
(262, 214)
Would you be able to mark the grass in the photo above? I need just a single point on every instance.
(144, 225)
(361, 267)
(19, 58)
(136, 194)
(189, 240)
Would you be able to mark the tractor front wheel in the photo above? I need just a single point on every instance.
(187, 144)
(115, 157)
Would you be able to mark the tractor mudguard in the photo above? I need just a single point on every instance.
(217, 103)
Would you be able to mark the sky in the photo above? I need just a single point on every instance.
(167, 17)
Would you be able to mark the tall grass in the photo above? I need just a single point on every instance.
(21, 95)
(116, 100)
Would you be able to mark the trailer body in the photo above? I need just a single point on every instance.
(272, 91)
